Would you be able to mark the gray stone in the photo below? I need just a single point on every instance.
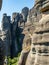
(2, 52)
(24, 12)
(6, 32)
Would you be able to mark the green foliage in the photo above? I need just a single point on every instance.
(13, 61)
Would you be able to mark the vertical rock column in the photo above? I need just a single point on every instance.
(14, 46)
(6, 33)
(24, 13)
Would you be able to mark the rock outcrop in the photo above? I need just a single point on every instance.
(42, 5)
(14, 26)
(6, 33)
(27, 41)
(39, 54)
(11, 33)
(30, 31)
(34, 15)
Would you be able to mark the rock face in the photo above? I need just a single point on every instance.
(15, 19)
(34, 15)
(39, 54)
(40, 45)
(42, 5)
(10, 33)
(2, 52)
(23, 57)
(6, 32)
(30, 28)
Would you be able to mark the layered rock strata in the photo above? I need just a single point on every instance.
(39, 54)
(42, 5)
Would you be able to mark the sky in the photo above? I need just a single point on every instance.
(10, 6)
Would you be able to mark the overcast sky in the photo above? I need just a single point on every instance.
(10, 6)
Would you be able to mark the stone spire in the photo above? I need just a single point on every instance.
(6, 30)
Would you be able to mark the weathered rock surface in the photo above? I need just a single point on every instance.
(29, 28)
(34, 15)
(2, 52)
(33, 27)
(23, 57)
(43, 24)
(39, 47)
(6, 33)
(42, 5)
(27, 31)
(40, 39)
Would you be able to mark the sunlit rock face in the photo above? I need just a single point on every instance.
(39, 54)
(42, 5)
(34, 15)
(26, 46)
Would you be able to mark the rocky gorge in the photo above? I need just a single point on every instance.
(28, 33)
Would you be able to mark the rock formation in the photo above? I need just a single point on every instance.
(6, 32)
(42, 5)
(24, 13)
(30, 31)
(39, 54)
(14, 26)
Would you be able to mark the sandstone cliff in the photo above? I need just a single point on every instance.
(28, 32)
